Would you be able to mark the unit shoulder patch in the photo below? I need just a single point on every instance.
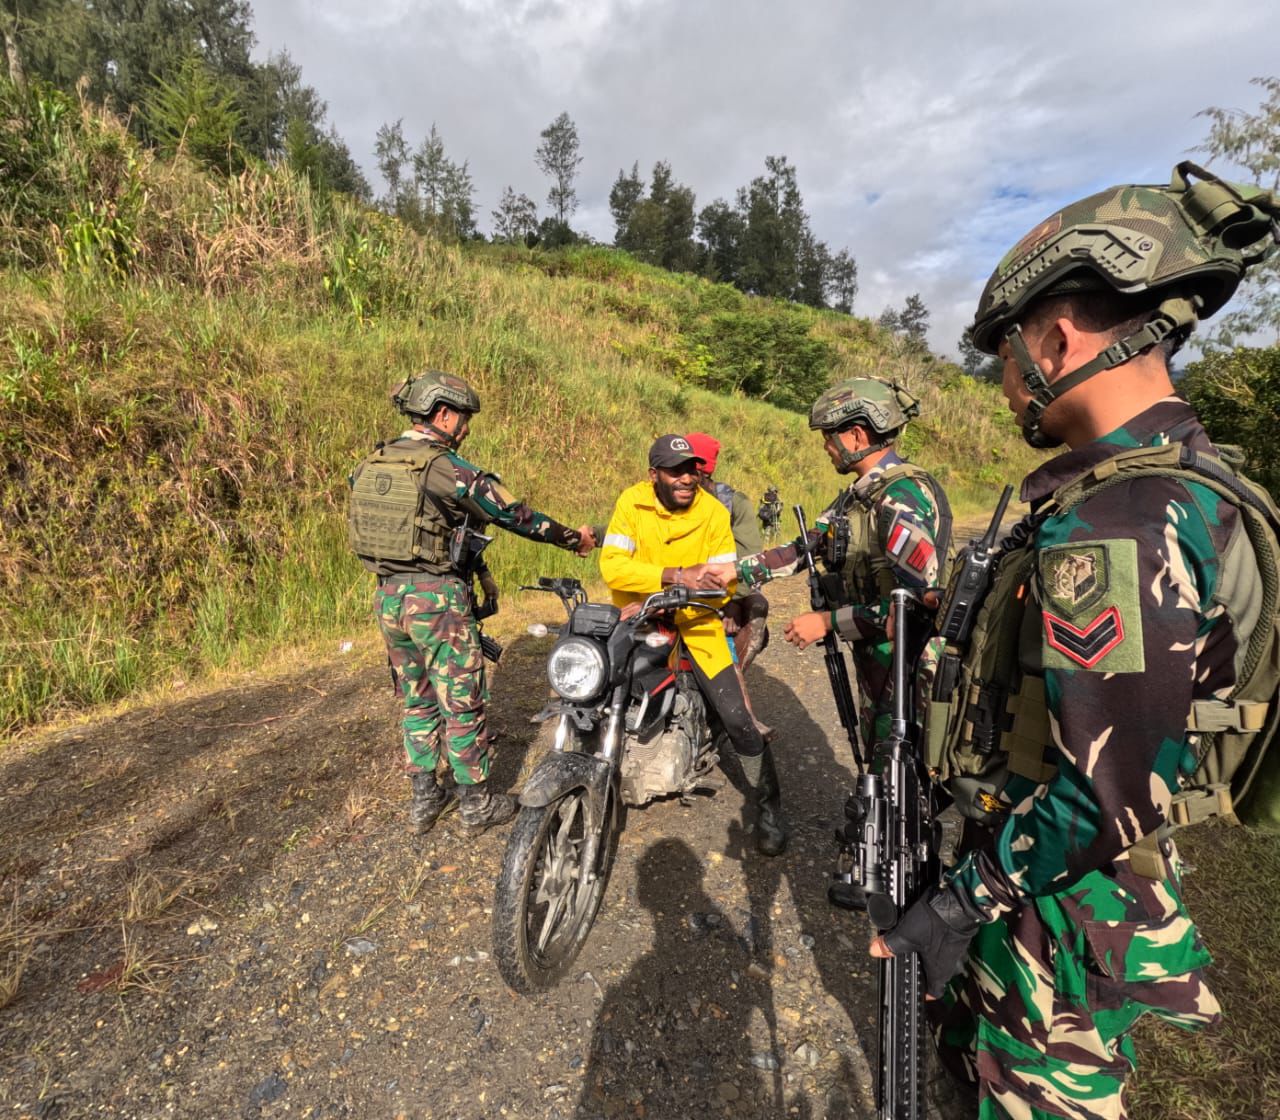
(1091, 607)
(907, 545)
(1075, 577)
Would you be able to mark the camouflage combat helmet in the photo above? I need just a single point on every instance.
(1187, 246)
(418, 396)
(882, 406)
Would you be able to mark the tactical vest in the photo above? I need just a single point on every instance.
(866, 569)
(989, 718)
(390, 515)
(724, 494)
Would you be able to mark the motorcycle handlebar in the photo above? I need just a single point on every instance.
(677, 598)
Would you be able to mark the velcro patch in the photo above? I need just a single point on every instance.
(1090, 644)
(1091, 606)
(920, 555)
(908, 545)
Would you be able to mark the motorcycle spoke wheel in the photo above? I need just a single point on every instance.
(546, 901)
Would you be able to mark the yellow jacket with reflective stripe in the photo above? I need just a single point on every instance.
(644, 537)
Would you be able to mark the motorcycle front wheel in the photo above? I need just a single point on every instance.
(546, 901)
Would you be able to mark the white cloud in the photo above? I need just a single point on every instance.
(928, 135)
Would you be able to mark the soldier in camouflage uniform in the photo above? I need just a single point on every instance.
(416, 508)
(1064, 913)
(770, 514)
(892, 524)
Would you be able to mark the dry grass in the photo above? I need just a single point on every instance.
(1233, 1072)
(359, 806)
(17, 943)
(150, 894)
(407, 889)
(140, 970)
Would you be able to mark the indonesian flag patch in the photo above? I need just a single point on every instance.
(908, 546)
(899, 538)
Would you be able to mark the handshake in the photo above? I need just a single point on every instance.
(701, 577)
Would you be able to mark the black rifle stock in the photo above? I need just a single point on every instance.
(832, 655)
(892, 841)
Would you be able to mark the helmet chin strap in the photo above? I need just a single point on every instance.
(449, 438)
(849, 458)
(1173, 315)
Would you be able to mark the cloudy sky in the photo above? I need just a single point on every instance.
(928, 136)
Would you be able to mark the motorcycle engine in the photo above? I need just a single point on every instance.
(675, 760)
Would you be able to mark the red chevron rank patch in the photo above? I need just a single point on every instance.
(920, 555)
(1088, 645)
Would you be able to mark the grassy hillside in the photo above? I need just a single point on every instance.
(194, 363)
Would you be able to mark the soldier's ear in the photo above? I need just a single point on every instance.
(1066, 346)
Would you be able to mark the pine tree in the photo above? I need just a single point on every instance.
(557, 156)
(626, 193)
(516, 218)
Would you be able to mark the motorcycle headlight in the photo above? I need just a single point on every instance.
(576, 669)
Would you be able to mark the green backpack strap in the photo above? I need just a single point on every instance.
(1236, 733)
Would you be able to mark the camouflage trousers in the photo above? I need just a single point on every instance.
(873, 666)
(434, 647)
(1040, 1017)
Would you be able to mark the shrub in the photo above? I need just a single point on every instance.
(1237, 394)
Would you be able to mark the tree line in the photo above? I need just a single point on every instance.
(761, 243)
(181, 71)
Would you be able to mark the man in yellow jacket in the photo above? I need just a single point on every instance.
(665, 533)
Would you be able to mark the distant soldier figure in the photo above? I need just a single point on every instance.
(770, 515)
(415, 515)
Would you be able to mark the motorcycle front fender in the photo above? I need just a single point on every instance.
(562, 771)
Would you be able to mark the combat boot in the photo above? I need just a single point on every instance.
(430, 799)
(479, 809)
(762, 780)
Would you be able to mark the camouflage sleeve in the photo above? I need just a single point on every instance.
(784, 560)
(907, 523)
(484, 495)
(1127, 631)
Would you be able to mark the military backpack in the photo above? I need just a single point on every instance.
(390, 515)
(988, 719)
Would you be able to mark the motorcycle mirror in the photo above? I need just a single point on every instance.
(538, 629)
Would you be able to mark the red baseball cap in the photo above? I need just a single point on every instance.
(706, 448)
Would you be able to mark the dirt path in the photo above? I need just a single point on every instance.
(220, 915)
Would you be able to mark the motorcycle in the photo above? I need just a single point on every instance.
(630, 725)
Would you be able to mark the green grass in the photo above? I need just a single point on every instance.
(179, 407)
(1233, 1071)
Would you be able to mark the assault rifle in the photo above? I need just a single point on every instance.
(832, 654)
(892, 841)
(466, 549)
(488, 646)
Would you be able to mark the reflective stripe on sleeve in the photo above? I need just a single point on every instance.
(617, 540)
(724, 558)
